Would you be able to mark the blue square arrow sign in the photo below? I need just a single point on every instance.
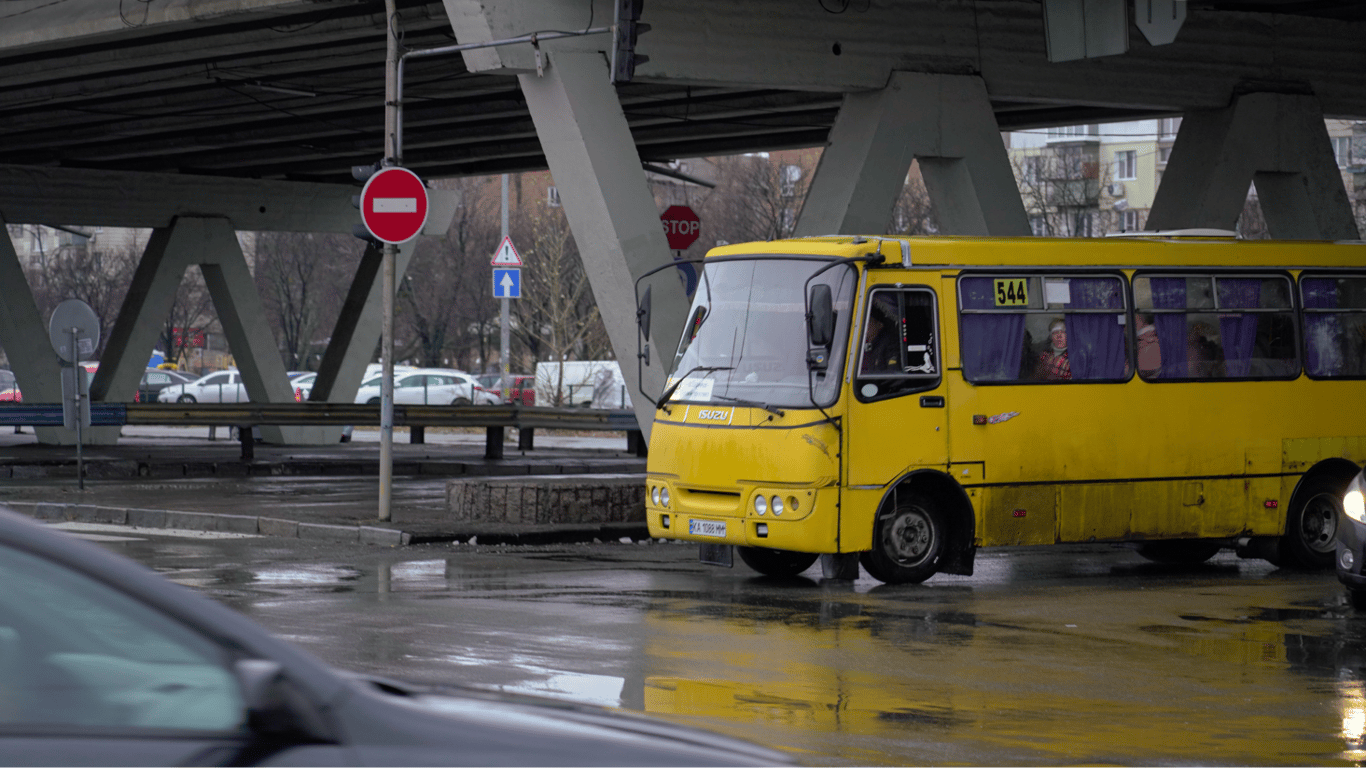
(507, 283)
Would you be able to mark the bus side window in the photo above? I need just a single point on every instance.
(1227, 326)
(1334, 325)
(1047, 328)
(900, 351)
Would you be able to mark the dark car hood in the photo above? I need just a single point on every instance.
(619, 737)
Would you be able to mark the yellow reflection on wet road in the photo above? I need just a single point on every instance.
(1097, 676)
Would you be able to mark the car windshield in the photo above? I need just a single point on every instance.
(746, 331)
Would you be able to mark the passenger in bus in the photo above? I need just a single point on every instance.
(1053, 364)
(1204, 358)
(882, 342)
(1149, 353)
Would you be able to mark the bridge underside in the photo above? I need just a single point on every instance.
(223, 115)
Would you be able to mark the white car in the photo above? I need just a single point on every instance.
(219, 387)
(428, 386)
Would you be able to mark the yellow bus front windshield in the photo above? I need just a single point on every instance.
(746, 338)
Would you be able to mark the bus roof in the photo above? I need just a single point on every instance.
(1158, 249)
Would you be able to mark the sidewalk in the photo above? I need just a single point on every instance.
(175, 477)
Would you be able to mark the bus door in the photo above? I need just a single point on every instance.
(897, 415)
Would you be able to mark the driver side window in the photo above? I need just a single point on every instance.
(77, 654)
(900, 344)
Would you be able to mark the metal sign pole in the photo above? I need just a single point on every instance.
(80, 386)
(386, 388)
(504, 310)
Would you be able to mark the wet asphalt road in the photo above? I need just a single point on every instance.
(1046, 656)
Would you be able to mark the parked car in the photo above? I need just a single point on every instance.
(156, 379)
(217, 387)
(428, 386)
(103, 662)
(1351, 541)
(521, 386)
(11, 393)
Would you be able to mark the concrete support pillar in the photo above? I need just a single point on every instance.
(610, 209)
(944, 120)
(358, 329)
(1277, 142)
(210, 243)
(23, 334)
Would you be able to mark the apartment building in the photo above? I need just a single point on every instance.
(1093, 180)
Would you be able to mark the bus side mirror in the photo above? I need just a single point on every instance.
(643, 314)
(643, 322)
(820, 323)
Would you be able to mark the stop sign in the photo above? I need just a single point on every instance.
(681, 226)
(393, 205)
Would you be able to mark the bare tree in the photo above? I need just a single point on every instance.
(77, 271)
(913, 213)
(191, 314)
(301, 277)
(1060, 187)
(1251, 223)
(757, 197)
(557, 316)
(446, 304)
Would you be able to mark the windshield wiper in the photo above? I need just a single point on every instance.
(668, 393)
(749, 404)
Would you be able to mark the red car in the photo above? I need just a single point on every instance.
(523, 386)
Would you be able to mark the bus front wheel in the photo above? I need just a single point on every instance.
(908, 541)
(1312, 525)
(776, 562)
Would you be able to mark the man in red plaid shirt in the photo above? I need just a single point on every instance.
(1053, 365)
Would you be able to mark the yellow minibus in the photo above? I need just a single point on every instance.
(901, 402)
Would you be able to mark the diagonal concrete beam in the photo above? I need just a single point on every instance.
(610, 209)
(1277, 142)
(944, 120)
(23, 334)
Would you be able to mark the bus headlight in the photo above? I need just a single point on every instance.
(761, 504)
(654, 495)
(664, 495)
(777, 506)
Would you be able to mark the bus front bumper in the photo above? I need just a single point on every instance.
(810, 527)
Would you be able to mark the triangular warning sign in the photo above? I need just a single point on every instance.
(506, 256)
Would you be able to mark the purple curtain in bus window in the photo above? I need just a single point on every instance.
(1170, 293)
(1238, 332)
(1095, 343)
(992, 344)
(1322, 332)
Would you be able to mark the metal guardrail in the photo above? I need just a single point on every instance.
(244, 416)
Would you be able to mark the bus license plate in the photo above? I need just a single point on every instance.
(707, 528)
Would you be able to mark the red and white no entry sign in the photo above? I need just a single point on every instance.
(393, 205)
(681, 226)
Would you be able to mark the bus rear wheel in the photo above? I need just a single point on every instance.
(1179, 551)
(1311, 527)
(908, 541)
(776, 562)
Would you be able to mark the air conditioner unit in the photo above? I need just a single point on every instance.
(1116, 189)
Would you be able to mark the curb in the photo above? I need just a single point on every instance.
(345, 534)
(207, 521)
